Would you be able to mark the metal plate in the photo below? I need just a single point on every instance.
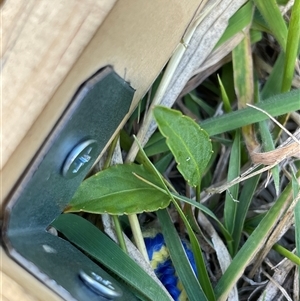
(93, 115)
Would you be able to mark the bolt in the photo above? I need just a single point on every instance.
(80, 155)
(99, 285)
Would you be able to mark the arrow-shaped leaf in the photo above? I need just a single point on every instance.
(189, 143)
(118, 190)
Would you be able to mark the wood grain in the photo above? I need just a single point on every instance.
(18, 285)
(41, 40)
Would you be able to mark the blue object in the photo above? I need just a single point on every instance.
(162, 265)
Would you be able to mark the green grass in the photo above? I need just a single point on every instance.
(177, 166)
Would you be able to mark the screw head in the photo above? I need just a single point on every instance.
(80, 155)
(100, 285)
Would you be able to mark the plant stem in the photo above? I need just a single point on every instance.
(137, 234)
(115, 218)
(110, 152)
(198, 191)
(286, 253)
(119, 233)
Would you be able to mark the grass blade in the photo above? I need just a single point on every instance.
(201, 268)
(259, 23)
(243, 72)
(95, 243)
(297, 227)
(272, 85)
(292, 47)
(242, 210)
(201, 103)
(275, 106)
(231, 196)
(179, 258)
(204, 280)
(156, 145)
(253, 243)
(272, 15)
(240, 20)
(205, 210)
(267, 141)
(268, 145)
(296, 189)
(225, 99)
(244, 86)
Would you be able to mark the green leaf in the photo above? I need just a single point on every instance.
(180, 260)
(205, 210)
(189, 143)
(296, 191)
(95, 243)
(272, 85)
(234, 170)
(243, 71)
(253, 244)
(259, 23)
(156, 145)
(192, 106)
(272, 15)
(268, 145)
(240, 20)
(282, 2)
(126, 142)
(116, 190)
(292, 47)
(228, 82)
(225, 99)
(276, 105)
(201, 103)
(255, 36)
(246, 197)
(164, 162)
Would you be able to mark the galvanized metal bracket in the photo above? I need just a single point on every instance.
(60, 166)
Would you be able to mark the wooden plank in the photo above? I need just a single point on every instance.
(41, 41)
(50, 48)
(17, 285)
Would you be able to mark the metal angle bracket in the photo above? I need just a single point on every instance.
(61, 164)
